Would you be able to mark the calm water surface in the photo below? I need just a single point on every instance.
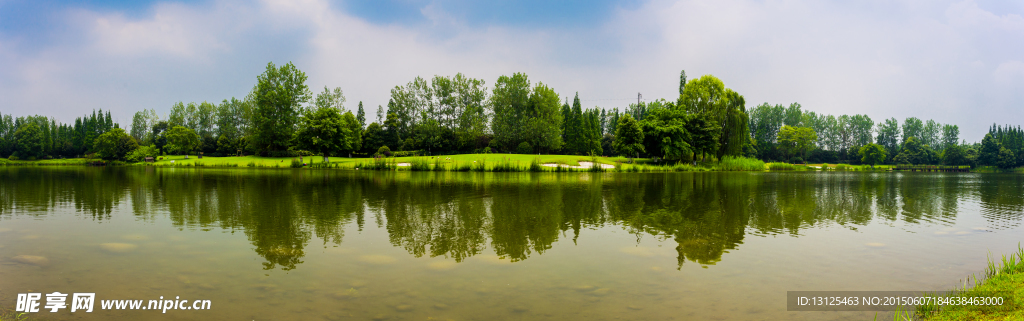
(336, 245)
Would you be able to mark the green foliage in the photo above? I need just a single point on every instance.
(913, 152)
(114, 145)
(30, 141)
(888, 136)
(278, 96)
(525, 115)
(629, 137)
(665, 134)
(384, 151)
(725, 111)
(182, 140)
(872, 154)
(704, 134)
(361, 116)
(912, 127)
(373, 137)
(140, 154)
(524, 148)
(326, 131)
(955, 155)
(1006, 159)
(990, 149)
(796, 140)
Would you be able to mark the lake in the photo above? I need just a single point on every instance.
(355, 245)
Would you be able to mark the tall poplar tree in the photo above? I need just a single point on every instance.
(278, 96)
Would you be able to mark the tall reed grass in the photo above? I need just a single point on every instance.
(781, 167)
(732, 163)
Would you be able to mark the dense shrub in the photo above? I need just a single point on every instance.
(140, 154)
(384, 151)
(524, 148)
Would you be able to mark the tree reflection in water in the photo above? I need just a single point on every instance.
(516, 215)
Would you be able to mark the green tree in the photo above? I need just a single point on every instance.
(665, 133)
(574, 135)
(353, 133)
(544, 121)
(1007, 159)
(115, 144)
(765, 121)
(629, 138)
(141, 124)
(373, 137)
(682, 81)
(950, 136)
(233, 119)
(955, 155)
(321, 131)
(29, 140)
(391, 131)
(182, 140)
(797, 139)
(889, 136)
(872, 154)
(930, 134)
(278, 97)
(912, 127)
(510, 99)
(158, 134)
(913, 152)
(726, 109)
(793, 115)
(361, 116)
(704, 134)
(990, 149)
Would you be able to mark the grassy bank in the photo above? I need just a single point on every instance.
(1005, 276)
(471, 162)
(48, 162)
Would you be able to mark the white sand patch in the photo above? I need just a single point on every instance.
(404, 164)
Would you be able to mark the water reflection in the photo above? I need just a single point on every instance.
(515, 216)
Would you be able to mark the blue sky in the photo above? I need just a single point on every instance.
(957, 61)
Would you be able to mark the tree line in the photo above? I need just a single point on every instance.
(38, 137)
(281, 116)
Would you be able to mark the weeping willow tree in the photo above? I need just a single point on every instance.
(708, 96)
